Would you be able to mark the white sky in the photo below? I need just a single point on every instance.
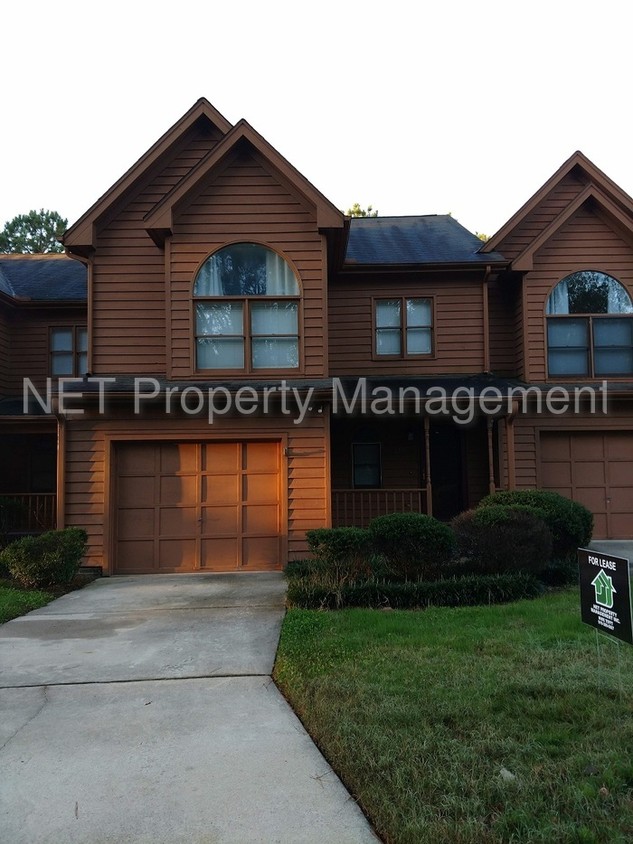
(414, 107)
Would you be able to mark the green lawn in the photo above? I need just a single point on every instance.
(484, 724)
(15, 602)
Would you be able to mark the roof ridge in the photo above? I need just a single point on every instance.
(30, 256)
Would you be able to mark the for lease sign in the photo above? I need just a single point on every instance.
(605, 593)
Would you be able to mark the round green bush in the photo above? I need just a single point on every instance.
(498, 539)
(414, 545)
(46, 560)
(571, 523)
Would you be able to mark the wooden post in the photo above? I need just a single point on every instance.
(60, 520)
(510, 447)
(491, 457)
(427, 458)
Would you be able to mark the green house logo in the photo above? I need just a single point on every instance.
(604, 589)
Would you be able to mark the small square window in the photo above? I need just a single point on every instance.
(366, 465)
(68, 351)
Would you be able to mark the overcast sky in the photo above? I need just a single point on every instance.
(414, 107)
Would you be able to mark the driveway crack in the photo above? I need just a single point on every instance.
(45, 701)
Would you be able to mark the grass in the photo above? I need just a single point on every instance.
(15, 602)
(471, 725)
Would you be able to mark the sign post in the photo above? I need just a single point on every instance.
(605, 593)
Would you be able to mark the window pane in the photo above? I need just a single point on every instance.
(220, 353)
(278, 353)
(269, 318)
(366, 459)
(82, 363)
(613, 332)
(613, 361)
(418, 313)
(217, 318)
(62, 364)
(589, 292)
(388, 314)
(62, 340)
(567, 332)
(388, 341)
(419, 341)
(82, 340)
(568, 362)
(246, 269)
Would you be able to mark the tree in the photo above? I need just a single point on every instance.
(357, 211)
(482, 236)
(37, 231)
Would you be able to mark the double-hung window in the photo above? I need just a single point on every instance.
(68, 351)
(246, 306)
(403, 327)
(589, 327)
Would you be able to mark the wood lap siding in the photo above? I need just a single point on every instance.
(245, 201)
(586, 241)
(307, 481)
(129, 272)
(502, 304)
(458, 326)
(29, 345)
(4, 354)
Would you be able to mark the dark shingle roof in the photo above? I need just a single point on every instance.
(42, 278)
(430, 239)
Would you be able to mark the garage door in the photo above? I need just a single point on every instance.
(595, 469)
(183, 507)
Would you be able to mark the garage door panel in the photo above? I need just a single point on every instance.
(621, 500)
(621, 473)
(261, 553)
(178, 457)
(555, 447)
(135, 491)
(177, 554)
(178, 490)
(221, 458)
(261, 488)
(137, 522)
(261, 457)
(600, 528)
(556, 474)
(135, 556)
(220, 489)
(136, 459)
(178, 521)
(261, 519)
(587, 447)
(221, 521)
(590, 473)
(620, 446)
(594, 498)
(219, 554)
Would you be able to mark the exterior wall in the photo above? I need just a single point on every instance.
(89, 481)
(586, 241)
(245, 201)
(128, 275)
(502, 306)
(458, 325)
(5, 347)
(29, 343)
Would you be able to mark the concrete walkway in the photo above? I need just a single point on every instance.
(141, 709)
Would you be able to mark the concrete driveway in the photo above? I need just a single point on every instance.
(141, 709)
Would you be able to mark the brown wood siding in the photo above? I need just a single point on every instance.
(586, 241)
(129, 272)
(5, 346)
(458, 325)
(476, 464)
(29, 351)
(502, 303)
(538, 219)
(87, 469)
(247, 202)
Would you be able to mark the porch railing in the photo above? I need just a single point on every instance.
(357, 507)
(23, 512)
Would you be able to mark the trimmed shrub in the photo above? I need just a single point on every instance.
(343, 551)
(468, 591)
(46, 560)
(413, 545)
(571, 524)
(499, 538)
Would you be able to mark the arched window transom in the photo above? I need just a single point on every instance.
(246, 301)
(589, 327)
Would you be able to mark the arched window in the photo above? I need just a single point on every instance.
(589, 327)
(246, 300)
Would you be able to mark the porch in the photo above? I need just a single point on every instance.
(28, 480)
(26, 512)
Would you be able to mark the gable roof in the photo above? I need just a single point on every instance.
(81, 233)
(608, 187)
(43, 278)
(159, 221)
(428, 239)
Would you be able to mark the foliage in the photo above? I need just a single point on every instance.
(482, 236)
(414, 545)
(357, 211)
(45, 560)
(571, 524)
(428, 716)
(455, 592)
(343, 551)
(501, 538)
(16, 602)
(35, 232)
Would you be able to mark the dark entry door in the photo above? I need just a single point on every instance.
(447, 471)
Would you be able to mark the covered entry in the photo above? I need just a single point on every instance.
(595, 469)
(210, 506)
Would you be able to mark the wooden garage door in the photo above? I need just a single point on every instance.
(197, 507)
(595, 469)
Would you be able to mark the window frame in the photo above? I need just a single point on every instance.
(247, 332)
(76, 353)
(403, 355)
(589, 319)
(378, 445)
